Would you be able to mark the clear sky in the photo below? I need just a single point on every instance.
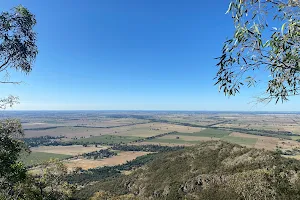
(129, 55)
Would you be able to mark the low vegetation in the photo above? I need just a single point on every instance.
(146, 148)
(103, 140)
(42, 140)
(98, 174)
(103, 153)
(211, 170)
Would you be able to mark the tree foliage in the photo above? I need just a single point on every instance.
(18, 51)
(46, 183)
(266, 40)
(18, 48)
(11, 147)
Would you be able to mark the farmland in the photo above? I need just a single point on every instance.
(73, 133)
(107, 139)
(121, 158)
(68, 150)
(38, 157)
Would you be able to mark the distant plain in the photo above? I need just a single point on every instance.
(100, 129)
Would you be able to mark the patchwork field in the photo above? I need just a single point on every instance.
(269, 143)
(121, 158)
(274, 122)
(139, 130)
(204, 135)
(117, 127)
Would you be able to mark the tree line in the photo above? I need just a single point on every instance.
(102, 153)
(146, 148)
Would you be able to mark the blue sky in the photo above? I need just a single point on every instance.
(129, 55)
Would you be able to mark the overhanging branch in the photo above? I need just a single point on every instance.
(5, 63)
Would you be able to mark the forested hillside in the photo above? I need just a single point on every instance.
(211, 170)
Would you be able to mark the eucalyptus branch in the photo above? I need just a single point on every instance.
(251, 48)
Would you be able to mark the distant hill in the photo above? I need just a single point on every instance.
(212, 170)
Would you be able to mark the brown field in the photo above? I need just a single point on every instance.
(297, 157)
(294, 128)
(73, 150)
(274, 122)
(269, 143)
(39, 125)
(121, 158)
(69, 132)
(107, 122)
(152, 129)
(140, 130)
(81, 121)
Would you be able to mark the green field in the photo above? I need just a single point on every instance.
(295, 137)
(172, 141)
(107, 139)
(240, 140)
(38, 157)
(209, 132)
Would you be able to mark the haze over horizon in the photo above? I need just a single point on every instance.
(116, 55)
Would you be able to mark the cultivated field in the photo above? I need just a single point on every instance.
(138, 130)
(121, 158)
(204, 135)
(73, 150)
(35, 158)
(87, 127)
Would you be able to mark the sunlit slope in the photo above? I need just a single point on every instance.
(211, 170)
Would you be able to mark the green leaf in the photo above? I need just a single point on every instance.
(282, 28)
(229, 8)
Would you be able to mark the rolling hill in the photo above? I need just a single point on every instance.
(210, 170)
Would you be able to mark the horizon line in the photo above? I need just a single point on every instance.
(146, 110)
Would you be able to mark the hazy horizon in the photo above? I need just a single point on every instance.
(196, 111)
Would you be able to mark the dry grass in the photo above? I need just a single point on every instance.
(274, 122)
(268, 143)
(297, 157)
(121, 158)
(67, 150)
(152, 129)
(288, 144)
